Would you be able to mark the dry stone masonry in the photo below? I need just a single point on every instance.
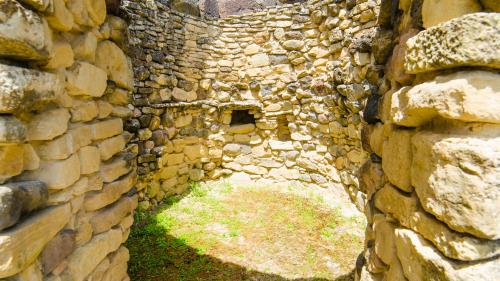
(108, 105)
(300, 74)
(433, 178)
(66, 170)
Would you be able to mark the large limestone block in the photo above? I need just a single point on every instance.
(113, 60)
(432, 10)
(84, 79)
(420, 261)
(88, 13)
(115, 168)
(48, 125)
(23, 34)
(90, 160)
(61, 56)
(21, 245)
(64, 146)
(112, 215)
(24, 89)
(56, 174)
(11, 157)
(84, 47)
(83, 110)
(12, 130)
(109, 193)
(456, 177)
(86, 258)
(466, 96)
(471, 40)
(109, 147)
(396, 157)
(61, 18)
(107, 128)
(20, 198)
(407, 211)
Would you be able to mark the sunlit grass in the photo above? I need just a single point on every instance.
(222, 232)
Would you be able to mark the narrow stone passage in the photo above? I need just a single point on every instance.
(219, 231)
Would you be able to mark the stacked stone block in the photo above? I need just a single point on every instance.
(304, 71)
(433, 176)
(66, 171)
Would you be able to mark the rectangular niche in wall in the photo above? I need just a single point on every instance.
(242, 117)
(283, 129)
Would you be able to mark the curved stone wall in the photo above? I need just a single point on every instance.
(304, 71)
(65, 168)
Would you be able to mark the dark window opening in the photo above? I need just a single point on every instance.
(283, 129)
(241, 117)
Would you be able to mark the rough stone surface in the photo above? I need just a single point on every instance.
(420, 261)
(466, 96)
(21, 245)
(456, 43)
(456, 179)
(26, 89)
(33, 43)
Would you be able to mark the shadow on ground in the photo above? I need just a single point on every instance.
(174, 260)
(156, 255)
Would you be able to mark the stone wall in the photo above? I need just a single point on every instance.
(433, 176)
(304, 71)
(65, 167)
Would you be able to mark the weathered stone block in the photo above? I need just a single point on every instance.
(30, 158)
(61, 18)
(57, 250)
(83, 111)
(88, 13)
(106, 129)
(56, 174)
(465, 96)
(182, 95)
(86, 258)
(455, 245)
(23, 34)
(109, 193)
(194, 152)
(432, 10)
(48, 125)
(21, 245)
(113, 214)
(84, 79)
(11, 130)
(20, 198)
(396, 157)
(115, 168)
(456, 43)
(90, 160)
(456, 178)
(111, 58)
(25, 89)
(420, 261)
(109, 147)
(84, 47)
(281, 145)
(11, 157)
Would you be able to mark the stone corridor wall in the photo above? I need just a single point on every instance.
(65, 167)
(433, 178)
(304, 71)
